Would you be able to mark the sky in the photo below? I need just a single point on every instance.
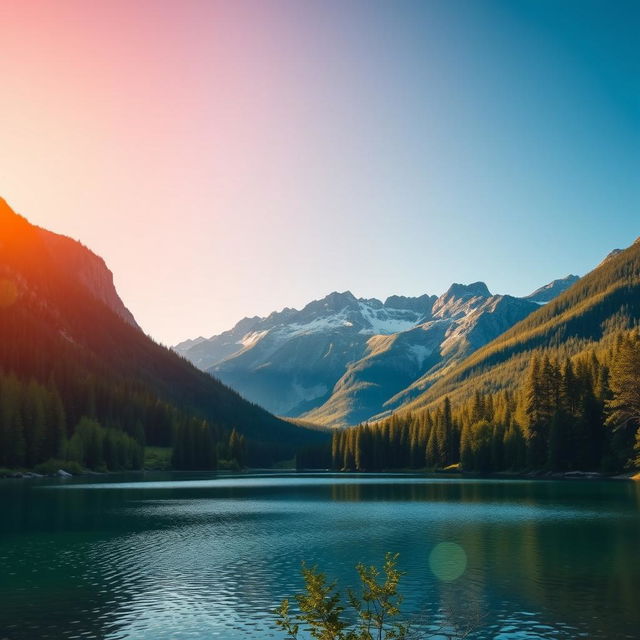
(228, 159)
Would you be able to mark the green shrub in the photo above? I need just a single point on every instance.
(372, 614)
(376, 609)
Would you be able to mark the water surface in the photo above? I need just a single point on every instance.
(199, 556)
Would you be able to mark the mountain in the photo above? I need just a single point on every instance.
(553, 289)
(290, 361)
(397, 367)
(342, 359)
(64, 326)
(87, 268)
(581, 319)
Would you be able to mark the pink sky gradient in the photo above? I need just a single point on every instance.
(231, 158)
(148, 132)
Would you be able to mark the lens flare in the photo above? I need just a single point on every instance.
(8, 293)
(448, 561)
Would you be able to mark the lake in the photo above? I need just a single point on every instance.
(199, 556)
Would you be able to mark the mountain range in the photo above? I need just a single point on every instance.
(71, 352)
(342, 360)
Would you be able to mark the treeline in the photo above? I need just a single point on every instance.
(34, 429)
(51, 392)
(314, 457)
(104, 431)
(198, 446)
(581, 414)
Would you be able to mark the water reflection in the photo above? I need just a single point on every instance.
(201, 557)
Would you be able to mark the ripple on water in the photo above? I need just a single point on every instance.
(199, 559)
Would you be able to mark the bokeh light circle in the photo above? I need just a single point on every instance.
(448, 561)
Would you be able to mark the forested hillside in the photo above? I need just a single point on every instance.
(580, 414)
(77, 374)
(560, 391)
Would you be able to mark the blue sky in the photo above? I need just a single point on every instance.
(229, 159)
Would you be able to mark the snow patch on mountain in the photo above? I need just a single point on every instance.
(420, 353)
(318, 325)
(386, 321)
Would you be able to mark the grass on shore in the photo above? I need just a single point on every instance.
(157, 458)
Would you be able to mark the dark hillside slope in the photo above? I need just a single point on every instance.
(62, 325)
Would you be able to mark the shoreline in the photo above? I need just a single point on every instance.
(633, 476)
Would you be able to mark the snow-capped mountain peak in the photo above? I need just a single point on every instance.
(459, 300)
(317, 361)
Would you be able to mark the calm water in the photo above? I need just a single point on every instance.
(201, 556)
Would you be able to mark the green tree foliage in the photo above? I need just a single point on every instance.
(479, 441)
(624, 402)
(232, 449)
(624, 381)
(238, 449)
(33, 423)
(38, 418)
(556, 420)
(98, 448)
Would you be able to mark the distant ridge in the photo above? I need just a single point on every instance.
(343, 359)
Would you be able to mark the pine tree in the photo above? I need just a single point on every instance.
(431, 453)
(557, 439)
(535, 410)
(467, 458)
(447, 434)
(624, 407)
(335, 449)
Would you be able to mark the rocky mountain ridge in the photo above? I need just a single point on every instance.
(342, 359)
